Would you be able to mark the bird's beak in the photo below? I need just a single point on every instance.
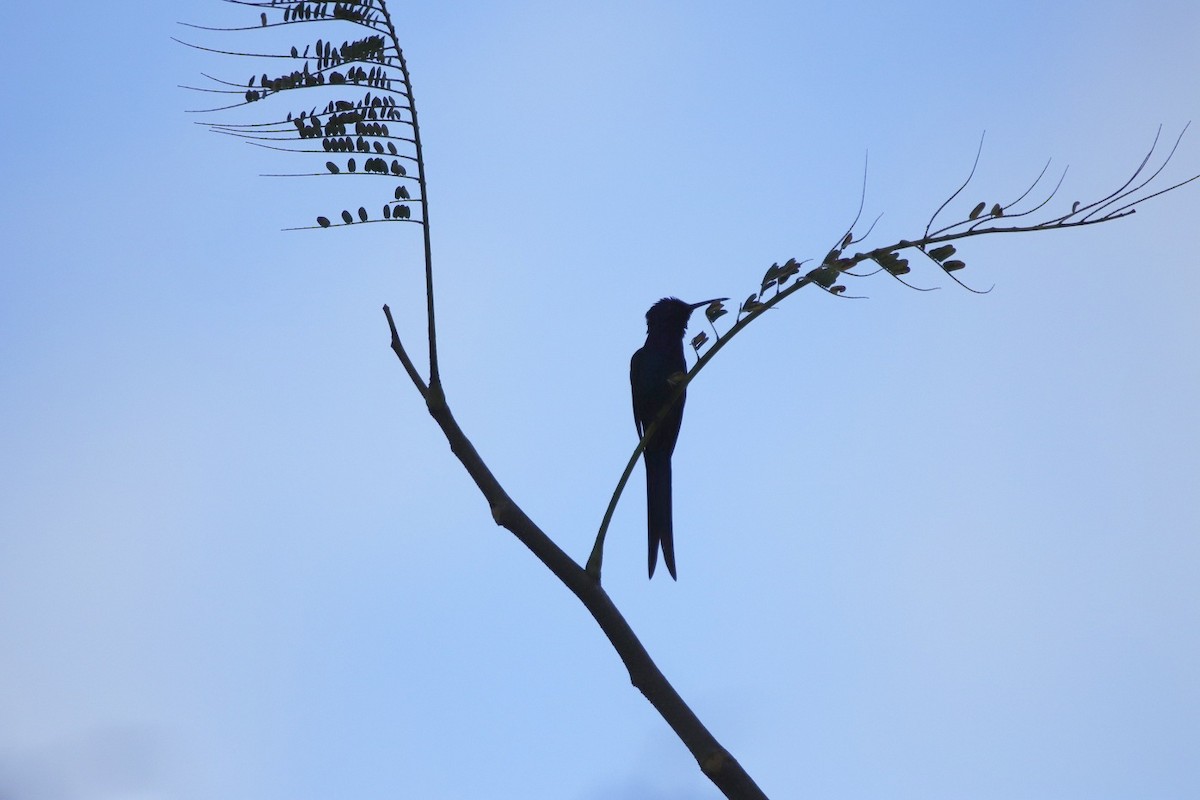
(694, 306)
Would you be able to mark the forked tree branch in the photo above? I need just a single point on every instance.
(715, 761)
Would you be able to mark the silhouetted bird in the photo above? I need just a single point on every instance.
(650, 372)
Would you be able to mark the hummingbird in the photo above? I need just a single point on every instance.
(654, 371)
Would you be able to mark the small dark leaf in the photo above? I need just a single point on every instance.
(849, 238)
(332, 167)
(823, 276)
(387, 211)
(403, 212)
(942, 253)
(323, 222)
(832, 256)
(263, 16)
(837, 289)
(1074, 206)
(951, 266)
(699, 340)
(295, 53)
(787, 271)
(997, 210)
(391, 148)
(715, 311)
(350, 165)
(976, 211)
(770, 277)
(346, 216)
(402, 193)
(362, 213)
(891, 262)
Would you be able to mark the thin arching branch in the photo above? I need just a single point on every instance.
(958, 191)
(934, 246)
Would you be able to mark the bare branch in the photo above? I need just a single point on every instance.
(847, 237)
(958, 191)
(1152, 176)
(402, 354)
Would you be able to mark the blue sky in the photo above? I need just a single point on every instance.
(931, 545)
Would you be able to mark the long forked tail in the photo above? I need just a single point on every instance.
(658, 511)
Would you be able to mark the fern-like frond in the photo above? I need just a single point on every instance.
(348, 107)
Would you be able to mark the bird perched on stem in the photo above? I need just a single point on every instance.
(654, 371)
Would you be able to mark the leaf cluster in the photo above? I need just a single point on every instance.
(379, 123)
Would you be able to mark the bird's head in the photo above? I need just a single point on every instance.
(670, 315)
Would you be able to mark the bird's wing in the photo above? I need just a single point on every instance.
(635, 378)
